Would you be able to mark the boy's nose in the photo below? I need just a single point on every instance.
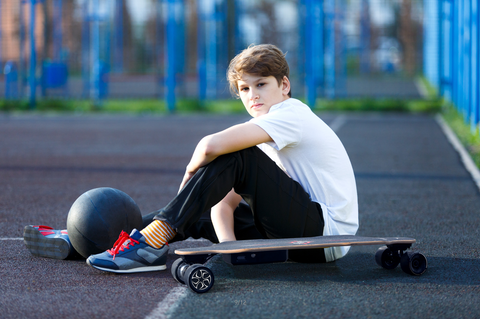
(253, 95)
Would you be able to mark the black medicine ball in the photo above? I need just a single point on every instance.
(97, 218)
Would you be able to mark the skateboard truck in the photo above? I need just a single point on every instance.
(412, 263)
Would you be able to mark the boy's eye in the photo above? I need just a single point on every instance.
(244, 89)
(260, 84)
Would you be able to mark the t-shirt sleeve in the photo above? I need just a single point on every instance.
(283, 125)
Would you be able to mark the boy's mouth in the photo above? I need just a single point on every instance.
(256, 105)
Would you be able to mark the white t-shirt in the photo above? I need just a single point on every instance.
(310, 152)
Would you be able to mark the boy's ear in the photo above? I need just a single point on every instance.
(285, 85)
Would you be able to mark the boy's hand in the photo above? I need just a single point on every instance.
(188, 175)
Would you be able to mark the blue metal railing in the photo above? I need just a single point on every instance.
(33, 55)
(118, 37)
(171, 54)
(314, 52)
(1, 42)
(451, 53)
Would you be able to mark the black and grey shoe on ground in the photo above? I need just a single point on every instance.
(44, 241)
(130, 254)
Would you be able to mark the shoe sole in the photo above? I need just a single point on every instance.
(130, 271)
(39, 245)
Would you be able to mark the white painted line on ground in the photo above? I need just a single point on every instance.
(458, 146)
(168, 304)
(422, 89)
(338, 122)
(166, 307)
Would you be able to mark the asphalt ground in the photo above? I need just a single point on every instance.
(410, 180)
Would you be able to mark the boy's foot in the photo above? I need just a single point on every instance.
(130, 254)
(44, 241)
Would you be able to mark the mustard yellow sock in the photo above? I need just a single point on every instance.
(158, 233)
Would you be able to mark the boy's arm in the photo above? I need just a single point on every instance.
(233, 139)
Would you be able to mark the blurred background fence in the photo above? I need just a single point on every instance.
(451, 61)
(170, 49)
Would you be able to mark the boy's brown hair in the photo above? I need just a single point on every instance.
(260, 60)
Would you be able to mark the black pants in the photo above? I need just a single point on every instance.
(278, 207)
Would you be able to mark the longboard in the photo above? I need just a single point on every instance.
(188, 269)
(258, 245)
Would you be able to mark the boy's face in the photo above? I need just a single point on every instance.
(259, 93)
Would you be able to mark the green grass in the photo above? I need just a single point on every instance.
(470, 138)
(380, 105)
(13, 106)
(138, 106)
(183, 106)
(153, 106)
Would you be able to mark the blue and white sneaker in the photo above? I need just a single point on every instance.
(44, 241)
(130, 254)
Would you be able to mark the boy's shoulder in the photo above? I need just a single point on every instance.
(294, 102)
(289, 104)
(291, 113)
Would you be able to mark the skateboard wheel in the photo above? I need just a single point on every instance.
(387, 258)
(199, 278)
(414, 263)
(178, 270)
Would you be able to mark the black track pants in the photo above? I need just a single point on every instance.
(278, 207)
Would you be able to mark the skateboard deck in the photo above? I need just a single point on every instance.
(189, 269)
(259, 245)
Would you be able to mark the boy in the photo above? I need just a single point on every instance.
(286, 164)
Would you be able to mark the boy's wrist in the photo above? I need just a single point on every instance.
(186, 177)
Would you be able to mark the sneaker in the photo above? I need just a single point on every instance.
(130, 254)
(44, 241)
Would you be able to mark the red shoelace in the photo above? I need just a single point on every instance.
(123, 242)
(47, 230)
